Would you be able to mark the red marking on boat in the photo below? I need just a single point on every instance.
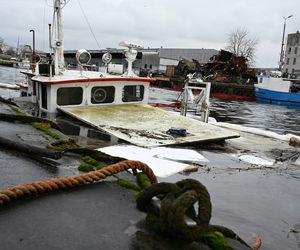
(232, 97)
(217, 95)
(177, 104)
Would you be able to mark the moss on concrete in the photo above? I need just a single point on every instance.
(45, 127)
(216, 241)
(84, 167)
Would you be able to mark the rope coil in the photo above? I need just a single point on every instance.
(176, 202)
(39, 187)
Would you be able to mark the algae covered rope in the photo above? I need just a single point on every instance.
(176, 202)
(27, 119)
(38, 187)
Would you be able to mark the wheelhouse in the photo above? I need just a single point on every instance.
(90, 92)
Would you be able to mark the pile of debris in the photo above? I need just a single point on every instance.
(227, 67)
(224, 67)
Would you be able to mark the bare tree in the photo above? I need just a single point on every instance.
(240, 44)
(10, 51)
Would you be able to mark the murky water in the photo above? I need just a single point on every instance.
(279, 119)
(10, 76)
(262, 201)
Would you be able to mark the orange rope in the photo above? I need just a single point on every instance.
(37, 187)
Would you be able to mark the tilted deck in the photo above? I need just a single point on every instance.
(147, 126)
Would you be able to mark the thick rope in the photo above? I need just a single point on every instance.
(176, 202)
(38, 187)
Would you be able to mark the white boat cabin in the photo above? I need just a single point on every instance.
(80, 88)
(279, 84)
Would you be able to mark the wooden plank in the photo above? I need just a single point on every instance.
(147, 126)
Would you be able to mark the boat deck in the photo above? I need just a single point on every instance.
(147, 126)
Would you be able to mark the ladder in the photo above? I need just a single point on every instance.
(195, 97)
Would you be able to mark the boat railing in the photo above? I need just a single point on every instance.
(195, 98)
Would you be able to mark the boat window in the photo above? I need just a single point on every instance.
(102, 94)
(260, 80)
(133, 93)
(69, 96)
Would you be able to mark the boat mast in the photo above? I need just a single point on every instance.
(58, 46)
(18, 48)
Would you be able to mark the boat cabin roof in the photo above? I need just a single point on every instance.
(76, 76)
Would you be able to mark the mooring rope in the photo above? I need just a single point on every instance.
(176, 202)
(38, 187)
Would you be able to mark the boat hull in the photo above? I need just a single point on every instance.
(277, 97)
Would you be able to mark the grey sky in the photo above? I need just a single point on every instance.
(154, 23)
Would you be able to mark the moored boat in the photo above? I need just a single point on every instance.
(278, 90)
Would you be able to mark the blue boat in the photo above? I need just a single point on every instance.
(278, 90)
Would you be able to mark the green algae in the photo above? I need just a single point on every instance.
(128, 184)
(142, 180)
(45, 128)
(216, 241)
(84, 167)
(17, 110)
(97, 155)
(89, 160)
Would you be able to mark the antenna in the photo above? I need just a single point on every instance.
(130, 53)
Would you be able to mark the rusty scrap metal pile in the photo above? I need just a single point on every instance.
(226, 67)
(223, 67)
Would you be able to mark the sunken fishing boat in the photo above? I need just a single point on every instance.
(114, 103)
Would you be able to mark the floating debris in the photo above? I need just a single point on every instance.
(295, 141)
(256, 160)
(191, 168)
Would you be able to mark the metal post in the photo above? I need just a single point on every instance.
(33, 59)
(282, 44)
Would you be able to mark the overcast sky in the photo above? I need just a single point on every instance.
(154, 23)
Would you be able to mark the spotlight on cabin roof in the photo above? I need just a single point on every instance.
(83, 57)
(106, 58)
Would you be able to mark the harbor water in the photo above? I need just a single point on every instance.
(279, 119)
(263, 201)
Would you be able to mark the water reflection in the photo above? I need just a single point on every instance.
(84, 134)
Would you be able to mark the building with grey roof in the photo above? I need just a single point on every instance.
(201, 55)
(150, 59)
